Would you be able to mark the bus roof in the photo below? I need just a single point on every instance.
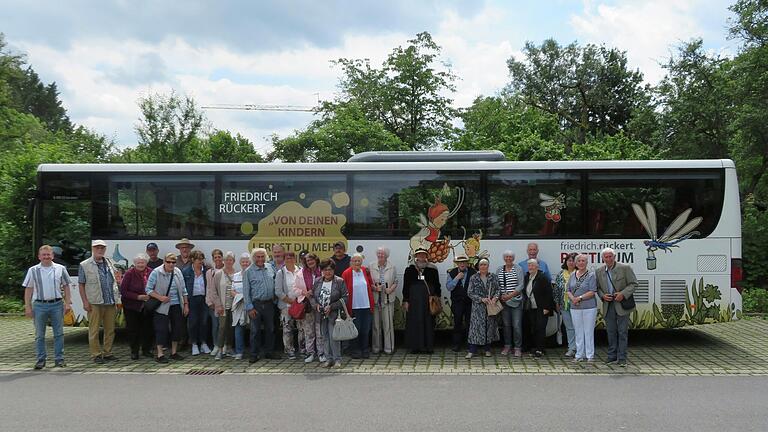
(389, 166)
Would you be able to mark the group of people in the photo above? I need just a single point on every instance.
(181, 298)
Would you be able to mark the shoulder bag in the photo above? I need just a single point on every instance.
(435, 303)
(152, 304)
(629, 302)
(494, 307)
(344, 328)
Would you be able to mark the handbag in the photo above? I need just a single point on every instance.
(298, 310)
(344, 328)
(152, 304)
(435, 303)
(629, 302)
(494, 307)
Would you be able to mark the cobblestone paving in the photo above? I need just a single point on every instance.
(735, 348)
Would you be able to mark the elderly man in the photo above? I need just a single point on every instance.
(616, 282)
(259, 296)
(278, 257)
(533, 253)
(43, 297)
(461, 305)
(185, 248)
(340, 258)
(99, 292)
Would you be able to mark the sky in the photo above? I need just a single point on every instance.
(105, 55)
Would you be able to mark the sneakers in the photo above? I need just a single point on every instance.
(569, 353)
(622, 363)
(60, 363)
(322, 358)
(517, 353)
(505, 351)
(204, 348)
(291, 356)
(195, 350)
(337, 365)
(216, 351)
(469, 356)
(310, 358)
(41, 364)
(488, 354)
(238, 357)
(218, 356)
(326, 364)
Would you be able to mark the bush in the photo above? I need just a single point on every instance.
(755, 300)
(754, 237)
(11, 305)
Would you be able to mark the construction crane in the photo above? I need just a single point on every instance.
(255, 107)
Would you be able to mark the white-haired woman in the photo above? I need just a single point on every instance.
(221, 297)
(133, 295)
(384, 276)
(239, 317)
(483, 329)
(510, 277)
(360, 303)
(538, 306)
(582, 289)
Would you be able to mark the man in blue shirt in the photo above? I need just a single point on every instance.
(533, 253)
(259, 297)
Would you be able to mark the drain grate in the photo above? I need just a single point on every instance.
(204, 372)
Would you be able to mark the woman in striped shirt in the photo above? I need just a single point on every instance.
(510, 277)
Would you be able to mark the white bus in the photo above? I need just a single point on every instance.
(676, 222)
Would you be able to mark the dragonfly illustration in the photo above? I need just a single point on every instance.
(680, 229)
(552, 205)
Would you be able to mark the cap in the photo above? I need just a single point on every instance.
(152, 245)
(339, 244)
(170, 256)
(461, 258)
(185, 242)
(420, 250)
(98, 243)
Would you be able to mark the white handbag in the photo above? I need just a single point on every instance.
(344, 328)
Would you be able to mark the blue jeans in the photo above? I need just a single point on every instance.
(363, 321)
(569, 329)
(513, 326)
(198, 320)
(239, 339)
(617, 327)
(42, 312)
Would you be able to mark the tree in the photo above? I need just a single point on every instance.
(223, 147)
(695, 104)
(335, 137)
(169, 129)
(407, 95)
(590, 89)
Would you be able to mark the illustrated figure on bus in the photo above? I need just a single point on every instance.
(552, 206)
(680, 229)
(428, 237)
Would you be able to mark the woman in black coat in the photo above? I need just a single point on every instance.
(419, 282)
(538, 306)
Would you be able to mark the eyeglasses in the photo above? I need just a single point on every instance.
(170, 262)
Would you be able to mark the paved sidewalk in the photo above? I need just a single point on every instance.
(734, 348)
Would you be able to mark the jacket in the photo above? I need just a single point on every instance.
(189, 279)
(459, 291)
(93, 284)
(624, 282)
(132, 286)
(339, 294)
(217, 294)
(542, 291)
(159, 281)
(348, 279)
(390, 278)
(283, 288)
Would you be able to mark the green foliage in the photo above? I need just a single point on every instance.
(755, 236)
(340, 133)
(407, 95)
(755, 300)
(223, 147)
(11, 305)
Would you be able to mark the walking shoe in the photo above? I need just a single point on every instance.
(622, 363)
(238, 357)
(610, 361)
(110, 358)
(322, 358)
(218, 356)
(204, 348)
(538, 354)
(326, 364)
(195, 350)
(98, 360)
(216, 351)
(177, 356)
(488, 354)
(517, 353)
(161, 359)
(310, 358)
(291, 356)
(469, 355)
(505, 351)
(60, 363)
(577, 360)
(569, 353)
(40, 364)
(338, 365)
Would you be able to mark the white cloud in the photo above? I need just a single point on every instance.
(648, 30)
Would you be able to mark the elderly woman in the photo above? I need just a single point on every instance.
(221, 294)
(483, 329)
(419, 283)
(538, 306)
(384, 276)
(166, 284)
(218, 263)
(133, 294)
(329, 294)
(360, 302)
(563, 302)
(312, 322)
(510, 276)
(581, 291)
(285, 282)
(197, 286)
(239, 316)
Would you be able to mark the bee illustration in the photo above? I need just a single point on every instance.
(552, 206)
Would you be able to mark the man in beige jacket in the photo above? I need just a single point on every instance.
(100, 295)
(616, 282)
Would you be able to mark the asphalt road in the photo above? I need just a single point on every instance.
(94, 402)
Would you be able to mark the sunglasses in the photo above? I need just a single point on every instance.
(170, 262)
